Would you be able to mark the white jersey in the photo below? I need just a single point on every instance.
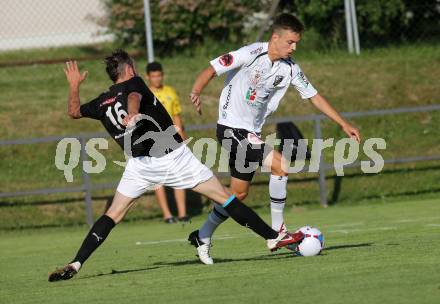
(254, 86)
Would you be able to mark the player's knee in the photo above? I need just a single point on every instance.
(277, 168)
(278, 172)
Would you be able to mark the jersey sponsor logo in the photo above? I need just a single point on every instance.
(257, 51)
(108, 101)
(228, 99)
(278, 80)
(303, 79)
(226, 60)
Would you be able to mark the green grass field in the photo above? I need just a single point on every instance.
(374, 253)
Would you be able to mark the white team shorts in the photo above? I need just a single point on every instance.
(179, 169)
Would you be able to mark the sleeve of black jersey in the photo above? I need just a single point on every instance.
(137, 84)
(91, 109)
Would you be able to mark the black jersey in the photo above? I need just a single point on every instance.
(151, 135)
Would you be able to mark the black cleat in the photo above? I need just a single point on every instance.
(194, 240)
(169, 220)
(184, 219)
(65, 273)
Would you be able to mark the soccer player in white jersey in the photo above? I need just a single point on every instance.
(257, 77)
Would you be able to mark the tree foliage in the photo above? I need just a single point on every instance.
(179, 24)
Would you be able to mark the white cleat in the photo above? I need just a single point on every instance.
(203, 253)
(202, 248)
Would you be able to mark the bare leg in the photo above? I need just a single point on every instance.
(240, 188)
(163, 203)
(180, 196)
(119, 207)
(213, 190)
(276, 162)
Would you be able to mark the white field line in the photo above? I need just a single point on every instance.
(343, 231)
(347, 231)
(344, 225)
(433, 225)
(417, 220)
(221, 237)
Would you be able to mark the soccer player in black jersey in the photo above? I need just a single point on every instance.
(140, 124)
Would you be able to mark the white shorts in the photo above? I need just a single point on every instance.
(179, 169)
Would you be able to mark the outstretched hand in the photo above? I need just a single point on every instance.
(195, 99)
(73, 75)
(352, 132)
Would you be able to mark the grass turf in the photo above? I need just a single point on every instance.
(375, 253)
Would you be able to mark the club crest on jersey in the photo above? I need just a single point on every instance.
(255, 77)
(251, 94)
(278, 80)
(226, 60)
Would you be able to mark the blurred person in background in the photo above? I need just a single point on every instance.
(168, 98)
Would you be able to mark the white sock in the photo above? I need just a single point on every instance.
(278, 193)
(217, 216)
(76, 265)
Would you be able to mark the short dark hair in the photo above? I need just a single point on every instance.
(287, 22)
(153, 67)
(115, 63)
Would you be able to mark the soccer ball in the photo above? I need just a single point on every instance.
(313, 242)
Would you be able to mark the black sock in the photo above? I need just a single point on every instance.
(94, 238)
(245, 216)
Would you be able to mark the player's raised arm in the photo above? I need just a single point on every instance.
(201, 82)
(324, 106)
(75, 78)
(307, 91)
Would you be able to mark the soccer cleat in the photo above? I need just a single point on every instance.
(65, 273)
(283, 228)
(285, 239)
(184, 219)
(202, 248)
(169, 220)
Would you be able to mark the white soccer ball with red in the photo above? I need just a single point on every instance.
(313, 242)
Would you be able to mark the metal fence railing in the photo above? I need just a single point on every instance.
(87, 187)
